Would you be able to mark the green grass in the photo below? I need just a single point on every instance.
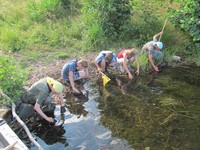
(24, 28)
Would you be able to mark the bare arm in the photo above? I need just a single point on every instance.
(150, 57)
(98, 68)
(144, 48)
(125, 66)
(41, 113)
(71, 80)
(87, 73)
(155, 37)
(60, 95)
(102, 65)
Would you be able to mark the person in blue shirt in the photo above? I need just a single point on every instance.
(104, 60)
(75, 70)
(154, 51)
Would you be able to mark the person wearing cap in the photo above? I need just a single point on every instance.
(75, 70)
(39, 95)
(104, 60)
(153, 48)
(125, 58)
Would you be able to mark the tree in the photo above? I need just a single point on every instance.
(187, 18)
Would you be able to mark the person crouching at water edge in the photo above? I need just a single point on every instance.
(125, 58)
(39, 98)
(104, 60)
(75, 70)
(154, 51)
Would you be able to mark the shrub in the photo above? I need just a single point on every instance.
(186, 18)
(12, 77)
(45, 9)
(104, 20)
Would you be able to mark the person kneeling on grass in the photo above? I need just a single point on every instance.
(39, 98)
(104, 60)
(154, 51)
(75, 70)
(125, 58)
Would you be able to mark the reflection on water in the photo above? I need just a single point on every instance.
(81, 129)
(157, 110)
(153, 111)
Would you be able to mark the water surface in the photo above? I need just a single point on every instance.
(153, 111)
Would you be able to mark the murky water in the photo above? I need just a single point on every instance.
(154, 111)
(157, 110)
(81, 129)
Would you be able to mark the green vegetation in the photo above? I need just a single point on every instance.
(87, 25)
(31, 30)
(105, 21)
(187, 19)
(12, 78)
(61, 28)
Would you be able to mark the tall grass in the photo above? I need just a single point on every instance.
(34, 25)
(59, 24)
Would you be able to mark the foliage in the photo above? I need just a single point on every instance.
(12, 39)
(87, 25)
(39, 25)
(45, 9)
(73, 5)
(186, 18)
(104, 20)
(11, 35)
(147, 20)
(12, 77)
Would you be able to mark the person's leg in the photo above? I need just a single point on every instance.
(131, 60)
(120, 62)
(25, 110)
(28, 98)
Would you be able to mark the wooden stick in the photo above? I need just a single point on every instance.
(20, 121)
(102, 73)
(163, 28)
(10, 147)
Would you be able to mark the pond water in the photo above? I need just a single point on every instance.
(81, 129)
(153, 111)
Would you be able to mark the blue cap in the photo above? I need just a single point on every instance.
(160, 45)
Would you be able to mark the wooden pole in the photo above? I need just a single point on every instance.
(163, 28)
(20, 121)
(10, 147)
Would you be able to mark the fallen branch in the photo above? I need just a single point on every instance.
(20, 121)
(9, 147)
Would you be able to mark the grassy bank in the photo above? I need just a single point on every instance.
(42, 31)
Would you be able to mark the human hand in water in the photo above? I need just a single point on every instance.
(156, 69)
(75, 90)
(50, 119)
(137, 72)
(130, 76)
